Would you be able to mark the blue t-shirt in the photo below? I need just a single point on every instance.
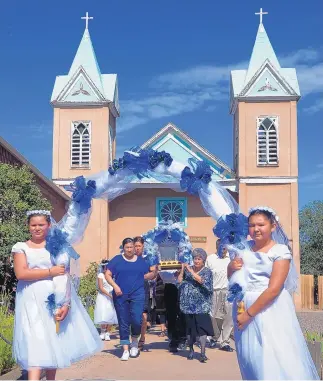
(129, 276)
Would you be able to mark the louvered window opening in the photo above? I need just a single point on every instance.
(81, 145)
(267, 142)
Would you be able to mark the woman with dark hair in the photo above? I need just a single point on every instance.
(139, 243)
(43, 339)
(196, 289)
(269, 341)
(125, 273)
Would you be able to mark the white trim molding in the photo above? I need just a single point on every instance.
(268, 180)
(230, 184)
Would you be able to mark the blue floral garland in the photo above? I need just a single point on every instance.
(139, 162)
(142, 160)
(157, 235)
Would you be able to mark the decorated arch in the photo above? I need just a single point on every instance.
(195, 178)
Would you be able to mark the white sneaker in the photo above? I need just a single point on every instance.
(134, 351)
(107, 337)
(125, 356)
(102, 336)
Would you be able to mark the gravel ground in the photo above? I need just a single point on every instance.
(311, 321)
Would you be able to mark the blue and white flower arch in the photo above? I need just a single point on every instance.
(195, 178)
(175, 233)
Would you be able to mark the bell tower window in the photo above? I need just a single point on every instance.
(81, 144)
(267, 141)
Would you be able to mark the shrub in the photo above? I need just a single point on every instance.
(88, 289)
(18, 193)
(6, 331)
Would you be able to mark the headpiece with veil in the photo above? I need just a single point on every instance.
(279, 236)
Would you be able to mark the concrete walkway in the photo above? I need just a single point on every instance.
(156, 363)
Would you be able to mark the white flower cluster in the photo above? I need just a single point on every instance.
(265, 208)
(41, 212)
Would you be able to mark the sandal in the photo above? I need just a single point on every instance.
(141, 344)
(162, 334)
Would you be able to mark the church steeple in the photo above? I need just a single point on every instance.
(264, 78)
(84, 83)
(85, 57)
(261, 52)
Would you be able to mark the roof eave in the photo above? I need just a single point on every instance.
(190, 140)
(36, 171)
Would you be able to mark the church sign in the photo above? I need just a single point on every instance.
(198, 239)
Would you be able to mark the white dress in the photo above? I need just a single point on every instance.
(35, 342)
(104, 312)
(272, 346)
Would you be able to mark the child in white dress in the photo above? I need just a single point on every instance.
(269, 341)
(36, 345)
(104, 312)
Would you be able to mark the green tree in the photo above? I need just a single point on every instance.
(311, 238)
(18, 193)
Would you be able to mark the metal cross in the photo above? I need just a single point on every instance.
(261, 13)
(87, 18)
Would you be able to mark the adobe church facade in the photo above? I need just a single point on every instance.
(263, 104)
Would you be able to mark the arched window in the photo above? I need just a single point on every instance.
(267, 141)
(81, 144)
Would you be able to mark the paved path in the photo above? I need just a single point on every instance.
(154, 364)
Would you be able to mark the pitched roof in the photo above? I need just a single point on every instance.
(21, 159)
(222, 169)
(85, 57)
(264, 63)
(262, 51)
(85, 73)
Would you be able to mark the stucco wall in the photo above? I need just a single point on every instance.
(287, 137)
(135, 213)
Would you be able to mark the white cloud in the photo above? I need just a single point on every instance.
(201, 87)
(300, 56)
(317, 106)
(165, 105)
(314, 179)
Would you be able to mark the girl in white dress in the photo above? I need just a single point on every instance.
(36, 345)
(269, 341)
(104, 312)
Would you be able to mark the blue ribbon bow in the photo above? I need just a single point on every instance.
(56, 243)
(231, 230)
(192, 182)
(83, 193)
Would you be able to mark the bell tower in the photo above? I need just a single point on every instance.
(263, 103)
(86, 107)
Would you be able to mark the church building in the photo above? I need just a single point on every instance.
(263, 104)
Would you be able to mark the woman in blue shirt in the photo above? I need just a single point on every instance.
(125, 273)
(196, 290)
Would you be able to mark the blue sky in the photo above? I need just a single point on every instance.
(172, 58)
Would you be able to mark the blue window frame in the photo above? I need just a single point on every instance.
(171, 208)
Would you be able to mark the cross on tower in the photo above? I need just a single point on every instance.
(261, 13)
(87, 18)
